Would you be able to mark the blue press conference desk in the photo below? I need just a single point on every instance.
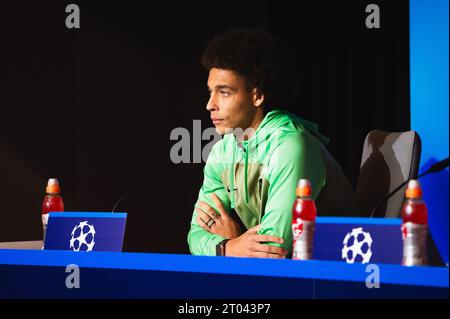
(42, 274)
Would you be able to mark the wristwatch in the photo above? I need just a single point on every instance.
(220, 248)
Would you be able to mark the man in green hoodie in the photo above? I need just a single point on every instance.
(244, 205)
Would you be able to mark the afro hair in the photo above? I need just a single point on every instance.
(262, 58)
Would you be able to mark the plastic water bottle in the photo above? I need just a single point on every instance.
(415, 226)
(303, 221)
(52, 203)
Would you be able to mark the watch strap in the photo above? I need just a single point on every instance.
(220, 248)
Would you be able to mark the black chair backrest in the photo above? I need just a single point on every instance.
(388, 159)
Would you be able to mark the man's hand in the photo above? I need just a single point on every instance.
(250, 244)
(223, 224)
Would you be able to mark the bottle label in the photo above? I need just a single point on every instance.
(414, 244)
(44, 227)
(303, 235)
(44, 220)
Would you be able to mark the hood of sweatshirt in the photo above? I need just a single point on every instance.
(275, 125)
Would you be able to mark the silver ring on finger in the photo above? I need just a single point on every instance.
(210, 222)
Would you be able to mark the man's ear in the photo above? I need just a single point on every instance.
(258, 97)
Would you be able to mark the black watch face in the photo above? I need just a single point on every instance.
(220, 248)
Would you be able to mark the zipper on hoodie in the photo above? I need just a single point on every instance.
(260, 187)
(261, 213)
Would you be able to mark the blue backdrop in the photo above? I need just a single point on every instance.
(429, 106)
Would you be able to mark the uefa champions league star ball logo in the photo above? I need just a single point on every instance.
(357, 243)
(82, 237)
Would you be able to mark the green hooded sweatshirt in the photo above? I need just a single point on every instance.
(258, 177)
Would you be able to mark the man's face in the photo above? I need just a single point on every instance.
(231, 103)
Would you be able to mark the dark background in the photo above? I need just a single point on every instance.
(95, 106)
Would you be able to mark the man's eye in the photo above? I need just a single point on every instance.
(224, 93)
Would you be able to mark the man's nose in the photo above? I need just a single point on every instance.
(211, 105)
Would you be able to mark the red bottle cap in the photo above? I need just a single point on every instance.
(414, 190)
(303, 188)
(53, 186)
